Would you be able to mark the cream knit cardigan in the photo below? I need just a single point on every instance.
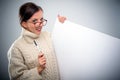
(23, 58)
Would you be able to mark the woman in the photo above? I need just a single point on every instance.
(32, 57)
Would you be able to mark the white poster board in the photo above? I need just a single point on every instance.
(85, 54)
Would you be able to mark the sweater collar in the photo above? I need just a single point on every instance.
(29, 36)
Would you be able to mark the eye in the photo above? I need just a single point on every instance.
(34, 21)
(42, 19)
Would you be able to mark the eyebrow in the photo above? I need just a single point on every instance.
(36, 19)
(41, 18)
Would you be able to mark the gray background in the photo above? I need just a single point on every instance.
(100, 15)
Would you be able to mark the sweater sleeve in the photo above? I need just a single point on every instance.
(17, 68)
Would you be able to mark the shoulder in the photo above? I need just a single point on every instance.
(15, 45)
(13, 50)
(17, 42)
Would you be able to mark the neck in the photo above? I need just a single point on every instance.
(29, 36)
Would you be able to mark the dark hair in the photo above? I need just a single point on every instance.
(27, 10)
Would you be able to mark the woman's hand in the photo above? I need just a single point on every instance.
(42, 62)
(61, 18)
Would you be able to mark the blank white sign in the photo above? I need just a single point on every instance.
(85, 54)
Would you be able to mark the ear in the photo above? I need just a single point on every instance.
(24, 24)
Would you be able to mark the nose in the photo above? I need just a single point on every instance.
(40, 23)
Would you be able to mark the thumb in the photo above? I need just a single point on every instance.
(40, 55)
(58, 15)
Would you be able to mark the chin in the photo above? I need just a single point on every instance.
(38, 33)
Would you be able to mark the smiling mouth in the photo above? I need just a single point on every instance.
(38, 29)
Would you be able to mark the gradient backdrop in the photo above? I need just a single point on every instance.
(100, 15)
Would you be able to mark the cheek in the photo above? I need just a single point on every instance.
(31, 28)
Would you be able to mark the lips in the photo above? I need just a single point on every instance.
(38, 29)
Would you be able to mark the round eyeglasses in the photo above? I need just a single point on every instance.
(42, 22)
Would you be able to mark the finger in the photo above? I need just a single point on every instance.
(41, 58)
(44, 60)
(42, 63)
(65, 18)
(58, 15)
(40, 55)
(43, 66)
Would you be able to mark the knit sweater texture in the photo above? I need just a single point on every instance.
(23, 57)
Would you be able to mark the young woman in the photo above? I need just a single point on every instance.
(32, 57)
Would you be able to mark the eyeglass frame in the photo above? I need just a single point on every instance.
(40, 23)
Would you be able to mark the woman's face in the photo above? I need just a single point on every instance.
(34, 24)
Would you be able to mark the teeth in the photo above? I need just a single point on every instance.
(38, 29)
